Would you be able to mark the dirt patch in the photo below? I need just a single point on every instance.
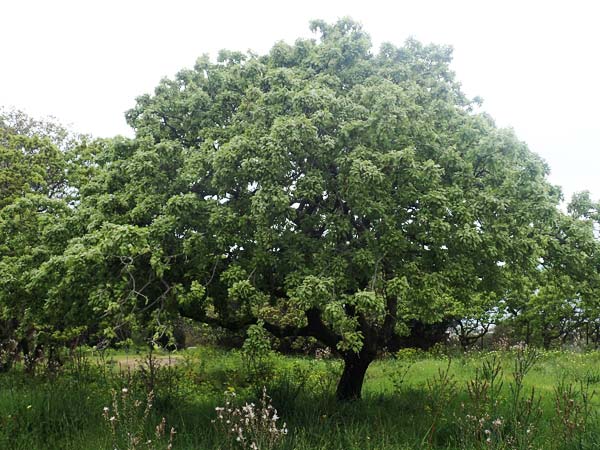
(134, 362)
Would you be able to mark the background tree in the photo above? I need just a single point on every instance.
(556, 298)
(36, 199)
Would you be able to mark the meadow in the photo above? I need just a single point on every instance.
(515, 398)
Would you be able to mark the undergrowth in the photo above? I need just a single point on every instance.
(515, 399)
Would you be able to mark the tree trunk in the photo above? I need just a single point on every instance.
(547, 337)
(528, 333)
(353, 376)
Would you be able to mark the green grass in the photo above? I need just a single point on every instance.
(65, 411)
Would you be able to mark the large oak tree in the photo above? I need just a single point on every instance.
(327, 189)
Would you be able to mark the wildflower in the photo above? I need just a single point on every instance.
(249, 424)
(124, 390)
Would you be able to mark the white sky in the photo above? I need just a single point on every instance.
(535, 63)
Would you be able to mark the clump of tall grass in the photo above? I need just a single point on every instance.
(479, 422)
(404, 360)
(524, 405)
(440, 392)
(573, 412)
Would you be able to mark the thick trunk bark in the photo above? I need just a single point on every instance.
(353, 376)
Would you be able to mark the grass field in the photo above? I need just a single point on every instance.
(415, 401)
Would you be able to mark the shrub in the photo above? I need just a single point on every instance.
(257, 355)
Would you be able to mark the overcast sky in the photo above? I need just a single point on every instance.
(535, 64)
